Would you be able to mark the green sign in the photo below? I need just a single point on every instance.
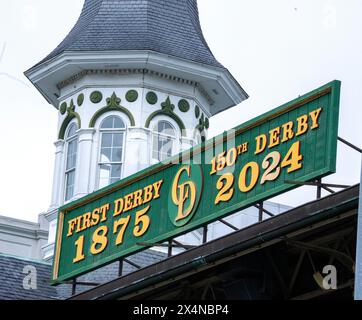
(248, 164)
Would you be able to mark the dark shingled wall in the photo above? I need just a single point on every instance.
(170, 27)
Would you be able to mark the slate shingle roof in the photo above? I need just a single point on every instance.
(170, 27)
(12, 276)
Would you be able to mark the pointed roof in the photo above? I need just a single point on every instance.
(161, 36)
(170, 27)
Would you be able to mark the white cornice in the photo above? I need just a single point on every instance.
(217, 83)
(32, 233)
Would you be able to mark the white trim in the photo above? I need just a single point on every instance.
(47, 75)
(177, 138)
(64, 172)
(100, 131)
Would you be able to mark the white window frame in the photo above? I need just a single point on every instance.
(155, 135)
(68, 140)
(99, 153)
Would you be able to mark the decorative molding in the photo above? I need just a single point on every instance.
(84, 73)
(46, 76)
(151, 97)
(63, 108)
(132, 96)
(184, 105)
(203, 125)
(80, 99)
(210, 100)
(207, 123)
(113, 104)
(96, 97)
(167, 110)
(197, 112)
(71, 115)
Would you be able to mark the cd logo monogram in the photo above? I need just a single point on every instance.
(185, 192)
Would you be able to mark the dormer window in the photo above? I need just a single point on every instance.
(71, 160)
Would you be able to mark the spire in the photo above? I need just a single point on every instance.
(170, 27)
(163, 37)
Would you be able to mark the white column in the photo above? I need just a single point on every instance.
(136, 151)
(84, 158)
(58, 173)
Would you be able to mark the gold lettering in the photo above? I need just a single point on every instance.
(185, 190)
(274, 137)
(147, 194)
(244, 147)
(302, 125)
(95, 217)
(261, 142)
(71, 226)
(118, 207)
(137, 199)
(157, 187)
(128, 202)
(315, 118)
(86, 221)
(78, 219)
(104, 209)
(288, 133)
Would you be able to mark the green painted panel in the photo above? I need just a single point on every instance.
(250, 163)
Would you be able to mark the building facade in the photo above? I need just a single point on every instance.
(23, 238)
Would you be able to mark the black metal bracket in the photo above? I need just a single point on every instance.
(350, 145)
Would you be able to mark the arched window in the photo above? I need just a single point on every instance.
(112, 135)
(164, 138)
(71, 161)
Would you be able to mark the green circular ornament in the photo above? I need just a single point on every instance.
(183, 105)
(63, 108)
(207, 123)
(151, 97)
(80, 99)
(131, 95)
(197, 112)
(96, 96)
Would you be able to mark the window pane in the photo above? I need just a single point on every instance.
(106, 155)
(109, 174)
(111, 151)
(69, 186)
(104, 175)
(162, 147)
(116, 171)
(113, 122)
(71, 155)
(165, 145)
(117, 155)
(106, 140)
(165, 127)
(117, 140)
(107, 123)
(118, 123)
(72, 130)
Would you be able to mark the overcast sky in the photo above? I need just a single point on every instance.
(276, 49)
